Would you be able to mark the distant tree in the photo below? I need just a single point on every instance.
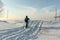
(1, 8)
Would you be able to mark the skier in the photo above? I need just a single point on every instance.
(26, 21)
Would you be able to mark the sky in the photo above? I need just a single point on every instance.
(34, 9)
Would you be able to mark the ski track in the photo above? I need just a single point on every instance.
(22, 33)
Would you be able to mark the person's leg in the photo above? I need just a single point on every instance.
(26, 25)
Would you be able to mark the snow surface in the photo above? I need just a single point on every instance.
(9, 25)
(50, 31)
(37, 30)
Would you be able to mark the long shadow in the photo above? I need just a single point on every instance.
(11, 30)
(18, 34)
(9, 33)
(22, 35)
(27, 34)
(35, 35)
(49, 28)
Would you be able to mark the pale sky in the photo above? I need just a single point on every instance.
(35, 9)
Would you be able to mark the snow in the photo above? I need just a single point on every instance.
(37, 30)
(9, 25)
(46, 37)
(50, 31)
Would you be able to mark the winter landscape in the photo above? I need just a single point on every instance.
(37, 30)
(29, 19)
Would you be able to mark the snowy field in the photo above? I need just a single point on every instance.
(50, 31)
(37, 30)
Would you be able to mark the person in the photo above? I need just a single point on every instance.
(26, 21)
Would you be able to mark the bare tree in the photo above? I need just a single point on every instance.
(1, 8)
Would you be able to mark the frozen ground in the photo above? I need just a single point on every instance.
(50, 31)
(37, 30)
(10, 24)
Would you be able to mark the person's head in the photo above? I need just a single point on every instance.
(26, 16)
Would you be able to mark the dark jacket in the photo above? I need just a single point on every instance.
(26, 19)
